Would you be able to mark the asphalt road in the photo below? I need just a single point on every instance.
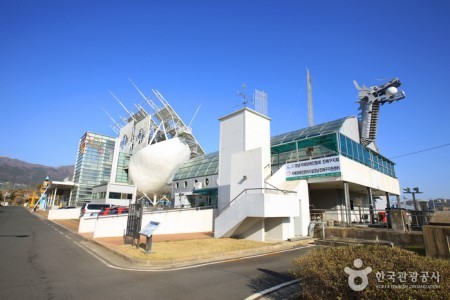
(40, 260)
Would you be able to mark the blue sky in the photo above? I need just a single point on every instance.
(60, 59)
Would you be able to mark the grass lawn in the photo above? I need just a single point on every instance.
(172, 250)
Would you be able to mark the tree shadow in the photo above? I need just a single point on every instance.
(268, 279)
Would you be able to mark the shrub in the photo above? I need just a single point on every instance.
(322, 274)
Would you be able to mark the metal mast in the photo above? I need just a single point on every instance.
(310, 99)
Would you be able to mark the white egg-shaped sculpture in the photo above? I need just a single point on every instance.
(151, 168)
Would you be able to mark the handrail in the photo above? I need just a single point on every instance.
(252, 189)
(272, 185)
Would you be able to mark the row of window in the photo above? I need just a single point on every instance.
(112, 195)
(333, 144)
(358, 152)
(194, 183)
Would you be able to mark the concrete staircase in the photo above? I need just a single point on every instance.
(247, 213)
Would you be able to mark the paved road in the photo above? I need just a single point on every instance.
(39, 260)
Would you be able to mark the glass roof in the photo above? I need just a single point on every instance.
(209, 164)
(205, 165)
(321, 129)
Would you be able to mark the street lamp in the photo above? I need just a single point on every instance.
(414, 192)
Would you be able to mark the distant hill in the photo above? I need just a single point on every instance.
(17, 171)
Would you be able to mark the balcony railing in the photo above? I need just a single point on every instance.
(374, 218)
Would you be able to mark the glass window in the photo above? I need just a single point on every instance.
(113, 195)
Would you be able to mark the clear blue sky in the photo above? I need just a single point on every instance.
(60, 59)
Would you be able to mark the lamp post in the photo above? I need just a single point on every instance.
(414, 192)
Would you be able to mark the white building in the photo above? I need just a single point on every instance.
(269, 187)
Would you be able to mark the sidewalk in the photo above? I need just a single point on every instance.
(180, 250)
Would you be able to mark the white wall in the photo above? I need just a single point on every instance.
(59, 214)
(87, 224)
(231, 141)
(249, 164)
(240, 131)
(171, 222)
(300, 222)
(254, 204)
(352, 171)
(350, 128)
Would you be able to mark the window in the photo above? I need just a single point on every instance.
(177, 185)
(113, 195)
(185, 184)
(206, 181)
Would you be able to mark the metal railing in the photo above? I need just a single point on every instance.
(374, 218)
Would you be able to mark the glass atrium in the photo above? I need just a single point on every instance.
(313, 142)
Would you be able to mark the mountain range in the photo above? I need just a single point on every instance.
(18, 172)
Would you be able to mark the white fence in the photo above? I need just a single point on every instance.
(171, 222)
(58, 214)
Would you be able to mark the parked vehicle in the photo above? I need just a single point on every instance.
(115, 210)
(90, 209)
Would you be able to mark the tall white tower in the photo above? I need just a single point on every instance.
(244, 157)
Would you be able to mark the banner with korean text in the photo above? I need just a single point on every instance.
(320, 167)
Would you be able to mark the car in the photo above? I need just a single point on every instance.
(91, 209)
(114, 210)
(67, 207)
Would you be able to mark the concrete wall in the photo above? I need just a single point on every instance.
(437, 240)
(240, 131)
(301, 221)
(231, 141)
(171, 222)
(253, 205)
(325, 199)
(249, 164)
(413, 238)
(354, 172)
(60, 214)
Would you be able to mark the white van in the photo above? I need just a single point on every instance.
(92, 208)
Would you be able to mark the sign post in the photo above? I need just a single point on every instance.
(148, 232)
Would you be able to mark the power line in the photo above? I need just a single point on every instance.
(420, 151)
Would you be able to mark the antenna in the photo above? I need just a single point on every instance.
(116, 127)
(261, 102)
(310, 99)
(131, 115)
(194, 115)
(114, 121)
(149, 102)
(243, 95)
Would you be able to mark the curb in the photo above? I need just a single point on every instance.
(168, 264)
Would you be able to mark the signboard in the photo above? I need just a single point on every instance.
(320, 167)
(149, 228)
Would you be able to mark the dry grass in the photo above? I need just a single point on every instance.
(174, 250)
